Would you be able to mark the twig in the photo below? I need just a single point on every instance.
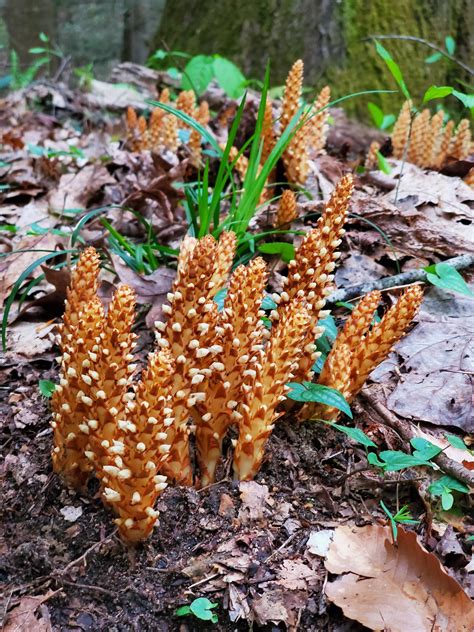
(420, 40)
(344, 294)
(444, 462)
(81, 558)
(92, 588)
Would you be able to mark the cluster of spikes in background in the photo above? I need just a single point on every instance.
(424, 140)
(214, 374)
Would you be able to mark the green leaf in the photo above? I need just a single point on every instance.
(376, 114)
(433, 58)
(184, 611)
(229, 77)
(394, 68)
(450, 44)
(282, 248)
(373, 459)
(395, 460)
(46, 388)
(456, 442)
(383, 164)
(37, 50)
(446, 483)
(356, 434)
(201, 608)
(309, 392)
(43, 37)
(268, 303)
(437, 92)
(388, 120)
(330, 329)
(466, 99)
(219, 298)
(447, 278)
(447, 500)
(424, 449)
(198, 74)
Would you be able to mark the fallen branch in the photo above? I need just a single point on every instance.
(404, 430)
(420, 40)
(413, 276)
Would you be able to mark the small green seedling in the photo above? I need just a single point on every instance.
(444, 487)
(446, 277)
(403, 516)
(46, 388)
(309, 392)
(201, 608)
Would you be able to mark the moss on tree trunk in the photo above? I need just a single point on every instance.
(330, 37)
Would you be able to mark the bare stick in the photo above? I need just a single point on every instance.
(348, 293)
(420, 40)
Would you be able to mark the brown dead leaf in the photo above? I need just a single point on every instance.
(76, 189)
(13, 265)
(279, 605)
(29, 340)
(295, 575)
(150, 289)
(432, 214)
(399, 587)
(23, 617)
(253, 497)
(226, 506)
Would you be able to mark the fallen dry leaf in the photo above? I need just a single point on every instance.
(398, 587)
(76, 189)
(22, 618)
(253, 497)
(433, 214)
(296, 575)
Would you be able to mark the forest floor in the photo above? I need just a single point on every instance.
(259, 549)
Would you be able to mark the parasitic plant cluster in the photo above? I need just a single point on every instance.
(426, 141)
(310, 134)
(161, 131)
(359, 348)
(217, 377)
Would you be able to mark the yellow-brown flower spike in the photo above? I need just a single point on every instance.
(155, 127)
(371, 160)
(292, 94)
(318, 123)
(202, 114)
(445, 143)
(70, 401)
(377, 344)
(241, 163)
(242, 335)
(108, 373)
(133, 135)
(131, 479)
(266, 388)
(295, 157)
(461, 143)
(225, 253)
(337, 369)
(195, 149)
(310, 273)
(170, 136)
(142, 128)
(186, 102)
(190, 335)
(286, 211)
(268, 133)
(401, 130)
(420, 136)
(431, 148)
(337, 374)
(469, 179)
(82, 289)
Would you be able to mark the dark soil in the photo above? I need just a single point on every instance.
(100, 585)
